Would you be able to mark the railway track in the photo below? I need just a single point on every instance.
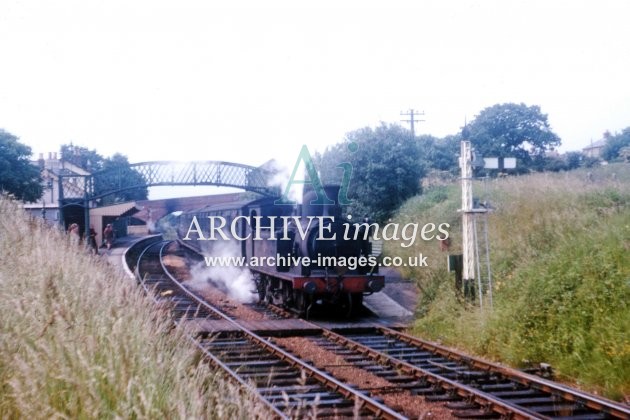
(472, 388)
(469, 387)
(287, 385)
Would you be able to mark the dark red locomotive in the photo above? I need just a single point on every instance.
(301, 256)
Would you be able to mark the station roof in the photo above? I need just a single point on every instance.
(120, 210)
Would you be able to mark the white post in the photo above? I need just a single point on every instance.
(479, 286)
(468, 244)
(485, 225)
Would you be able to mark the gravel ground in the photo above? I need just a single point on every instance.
(410, 405)
(402, 291)
(180, 268)
(177, 266)
(223, 302)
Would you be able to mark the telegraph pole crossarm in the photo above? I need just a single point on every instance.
(411, 114)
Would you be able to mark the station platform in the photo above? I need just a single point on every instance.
(395, 304)
(384, 306)
(115, 255)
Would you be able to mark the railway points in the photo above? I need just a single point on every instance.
(461, 385)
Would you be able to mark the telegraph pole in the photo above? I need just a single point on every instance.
(412, 113)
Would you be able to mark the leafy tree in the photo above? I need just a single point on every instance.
(18, 176)
(90, 160)
(550, 164)
(564, 162)
(440, 154)
(615, 143)
(589, 162)
(386, 168)
(111, 174)
(573, 159)
(513, 130)
(117, 174)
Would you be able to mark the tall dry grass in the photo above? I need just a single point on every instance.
(77, 340)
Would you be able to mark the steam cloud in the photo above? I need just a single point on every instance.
(236, 282)
(281, 176)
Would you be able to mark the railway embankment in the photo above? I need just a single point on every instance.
(79, 340)
(560, 263)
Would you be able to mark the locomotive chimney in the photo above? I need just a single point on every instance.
(309, 194)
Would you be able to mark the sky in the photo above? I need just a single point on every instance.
(248, 81)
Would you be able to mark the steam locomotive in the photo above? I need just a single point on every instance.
(301, 255)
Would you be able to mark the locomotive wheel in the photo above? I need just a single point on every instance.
(268, 292)
(300, 302)
(353, 305)
(262, 287)
(287, 295)
(357, 304)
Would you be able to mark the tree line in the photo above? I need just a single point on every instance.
(113, 171)
(388, 163)
(22, 179)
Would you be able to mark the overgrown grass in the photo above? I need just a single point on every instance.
(560, 252)
(77, 340)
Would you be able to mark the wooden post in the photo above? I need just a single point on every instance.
(468, 233)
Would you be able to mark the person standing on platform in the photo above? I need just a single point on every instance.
(73, 231)
(92, 241)
(108, 235)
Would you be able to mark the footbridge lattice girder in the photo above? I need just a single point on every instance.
(148, 174)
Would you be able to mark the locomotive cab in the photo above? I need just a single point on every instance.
(320, 258)
(300, 256)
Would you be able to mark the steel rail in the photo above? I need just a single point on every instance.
(481, 398)
(377, 408)
(213, 360)
(485, 400)
(279, 311)
(591, 401)
(366, 402)
(282, 313)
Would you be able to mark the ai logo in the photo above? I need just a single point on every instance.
(313, 179)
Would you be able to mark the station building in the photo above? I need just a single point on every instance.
(128, 218)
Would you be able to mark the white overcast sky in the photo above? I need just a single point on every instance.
(251, 81)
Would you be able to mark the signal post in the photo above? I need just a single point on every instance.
(468, 215)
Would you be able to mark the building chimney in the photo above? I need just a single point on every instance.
(40, 162)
